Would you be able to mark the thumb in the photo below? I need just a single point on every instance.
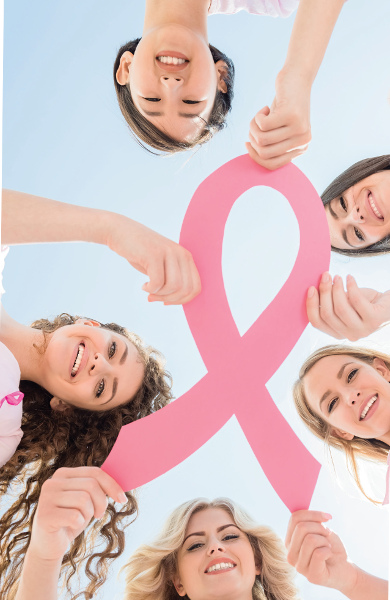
(260, 116)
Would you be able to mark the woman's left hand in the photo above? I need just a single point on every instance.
(352, 314)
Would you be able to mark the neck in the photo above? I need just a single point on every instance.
(24, 343)
(187, 13)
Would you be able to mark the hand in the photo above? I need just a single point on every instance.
(351, 314)
(67, 503)
(173, 276)
(282, 132)
(318, 553)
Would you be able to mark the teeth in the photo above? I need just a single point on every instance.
(171, 60)
(368, 406)
(374, 208)
(220, 566)
(78, 360)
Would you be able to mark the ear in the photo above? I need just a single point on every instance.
(342, 434)
(222, 73)
(123, 73)
(258, 569)
(89, 322)
(60, 405)
(380, 366)
(179, 587)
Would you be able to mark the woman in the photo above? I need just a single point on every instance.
(357, 205)
(343, 397)
(172, 66)
(206, 550)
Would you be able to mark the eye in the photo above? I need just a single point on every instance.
(343, 204)
(111, 349)
(153, 99)
(352, 375)
(332, 404)
(231, 536)
(195, 546)
(359, 234)
(100, 389)
(191, 101)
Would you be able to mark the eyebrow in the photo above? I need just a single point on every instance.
(114, 389)
(339, 376)
(124, 355)
(332, 211)
(160, 114)
(204, 533)
(344, 234)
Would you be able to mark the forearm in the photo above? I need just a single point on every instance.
(28, 219)
(367, 586)
(39, 578)
(311, 33)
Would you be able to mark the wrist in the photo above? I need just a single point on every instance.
(302, 77)
(350, 581)
(38, 560)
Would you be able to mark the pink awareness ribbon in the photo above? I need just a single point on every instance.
(238, 367)
(13, 399)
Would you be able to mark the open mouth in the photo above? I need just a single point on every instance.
(222, 566)
(77, 362)
(368, 406)
(374, 207)
(172, 61)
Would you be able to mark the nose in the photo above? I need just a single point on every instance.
(171, 82)
(215, 547)
(356, 214)
(99, 364)
(352, 397)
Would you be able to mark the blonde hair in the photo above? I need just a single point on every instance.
(151, 568)
(369, 449)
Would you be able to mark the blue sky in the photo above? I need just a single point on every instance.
(64, 138)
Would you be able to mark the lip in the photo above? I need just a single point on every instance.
(83, 360)
(369, 207)
(217, 561)
(371, 410)
(172, 68)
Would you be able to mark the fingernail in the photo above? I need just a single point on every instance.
(325, 277)
(336, 278)
(326, 516)
(122, 497)
(349, 278)
(311, 292)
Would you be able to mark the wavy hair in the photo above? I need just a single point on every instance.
(350, 177)
(150, 569)
(146, 134)
(369, 449)
(76, 437)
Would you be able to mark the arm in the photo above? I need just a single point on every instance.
(282, 132)
(66, 505)
(319, 555)
(352, 314)
(28, 219)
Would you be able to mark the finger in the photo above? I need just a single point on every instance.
(88, 486)
(274, 120)
(156, 274)
(345, 311)
(109, 486)
(191, 285)
(358, 300)
(300, 516)
(82, 501)
(277, 149)
(265, 138)
(327, 313)
(300, 533)
(54, 519)
(263, 112)
(273, 163)
(315, 551)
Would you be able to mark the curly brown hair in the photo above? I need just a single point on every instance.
(78, 437)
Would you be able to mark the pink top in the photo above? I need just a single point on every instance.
(271, 8)
(10, 396)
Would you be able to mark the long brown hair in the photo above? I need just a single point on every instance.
(350, 177)
(146, 134)
(370, 449)
(53, 439)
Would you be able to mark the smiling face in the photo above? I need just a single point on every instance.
(173, 80)
(361, 216)
(352, 396)
(216, 559)
(90, 367)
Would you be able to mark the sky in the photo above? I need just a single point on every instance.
(64, 138)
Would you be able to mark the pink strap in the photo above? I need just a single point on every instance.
(13, 399)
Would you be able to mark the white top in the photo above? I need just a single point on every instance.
(271, 8)
(10, 415)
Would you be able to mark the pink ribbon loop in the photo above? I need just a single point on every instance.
(13, 399)
(148, 448)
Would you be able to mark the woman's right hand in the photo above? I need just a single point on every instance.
(352, 314)
(67, 503)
